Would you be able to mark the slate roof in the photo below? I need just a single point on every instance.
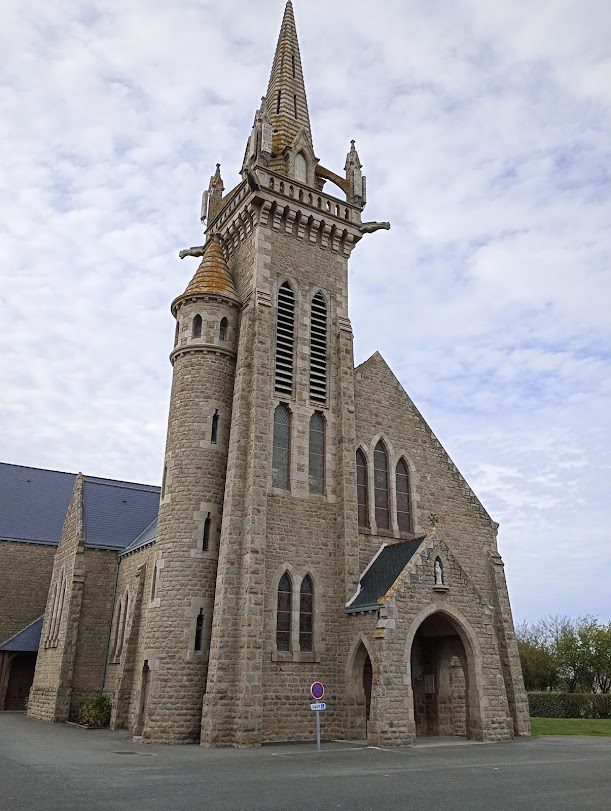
(382, 573)
(26, 640)
(148, 536)
(33, 504)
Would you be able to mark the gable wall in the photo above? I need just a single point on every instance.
(382, 406)
(25, 574)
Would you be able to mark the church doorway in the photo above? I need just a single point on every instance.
(440, 679)
(360, 679)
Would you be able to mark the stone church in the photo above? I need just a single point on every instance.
(309, 525)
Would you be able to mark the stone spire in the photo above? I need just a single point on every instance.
(356, 184)
(286, 105)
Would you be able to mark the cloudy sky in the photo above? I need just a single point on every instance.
(484, 133)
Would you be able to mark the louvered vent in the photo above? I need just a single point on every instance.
(318, 350)
(285, 339)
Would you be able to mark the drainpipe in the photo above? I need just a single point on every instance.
(112, 614)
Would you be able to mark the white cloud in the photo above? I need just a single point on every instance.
(484, 134)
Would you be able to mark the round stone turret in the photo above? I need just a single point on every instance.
(190, 513)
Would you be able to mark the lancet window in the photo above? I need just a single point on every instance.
(380, 483)
(283, 613)
(317, 453)
(362, 488)
(281, 452)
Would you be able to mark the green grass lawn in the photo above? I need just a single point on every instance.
(571, 726)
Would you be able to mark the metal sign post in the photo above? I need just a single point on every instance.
(317, 691)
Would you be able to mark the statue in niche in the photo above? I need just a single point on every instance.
(438, 573)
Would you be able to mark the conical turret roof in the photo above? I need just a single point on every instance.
(286, 105)
(212, 277)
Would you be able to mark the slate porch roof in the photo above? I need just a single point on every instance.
(33, 504)
(26, 640)
(382, 573)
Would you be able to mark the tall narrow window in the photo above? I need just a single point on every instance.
(285, 339)
(278, 102)
(196, 332)
(318, 349)
(295, 105)
(404, 517)
(293, 64)
(317, 453)
(176, 333)
(283, 616)
(301, 168)
(154, 581)
(306, 613)
(164, 480)
(281, 453)
(362, 488)
(215, 427)
(223, 329)
(380, 483)
(199, 630)
(207, 527)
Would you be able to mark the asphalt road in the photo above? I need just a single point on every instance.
(64, 767)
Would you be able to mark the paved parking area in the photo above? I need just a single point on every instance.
(64, 767)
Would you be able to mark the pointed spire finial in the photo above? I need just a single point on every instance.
(286, 105)
(357, 183)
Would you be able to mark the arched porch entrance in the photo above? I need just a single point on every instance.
(442, 679)
(16, 677)
(360, 678)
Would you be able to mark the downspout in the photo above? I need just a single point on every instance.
(112, 614)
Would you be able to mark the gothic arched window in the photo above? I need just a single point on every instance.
(404, 517)
(380, 484)
(283, 614)
(285, 339)
(207, 528)
(318, 349)
(306, 613)
(362, 488)
(196, 332)
(223, 329)
(317, 453)
(281, 452)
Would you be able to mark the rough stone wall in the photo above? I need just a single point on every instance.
(125, 666)
(93, 627)
(25, 574)
(194, 482)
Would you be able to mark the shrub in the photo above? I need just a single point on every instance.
(569, 705)
(95, 712)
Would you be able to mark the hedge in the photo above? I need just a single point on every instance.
(569, 705)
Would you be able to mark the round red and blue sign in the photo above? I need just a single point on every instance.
(317, 689)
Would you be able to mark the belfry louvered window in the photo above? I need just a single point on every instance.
(285, 339)
(318, 349)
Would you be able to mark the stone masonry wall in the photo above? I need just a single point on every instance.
(25, 574)
(93, 627)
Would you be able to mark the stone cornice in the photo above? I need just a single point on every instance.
(192, 348)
